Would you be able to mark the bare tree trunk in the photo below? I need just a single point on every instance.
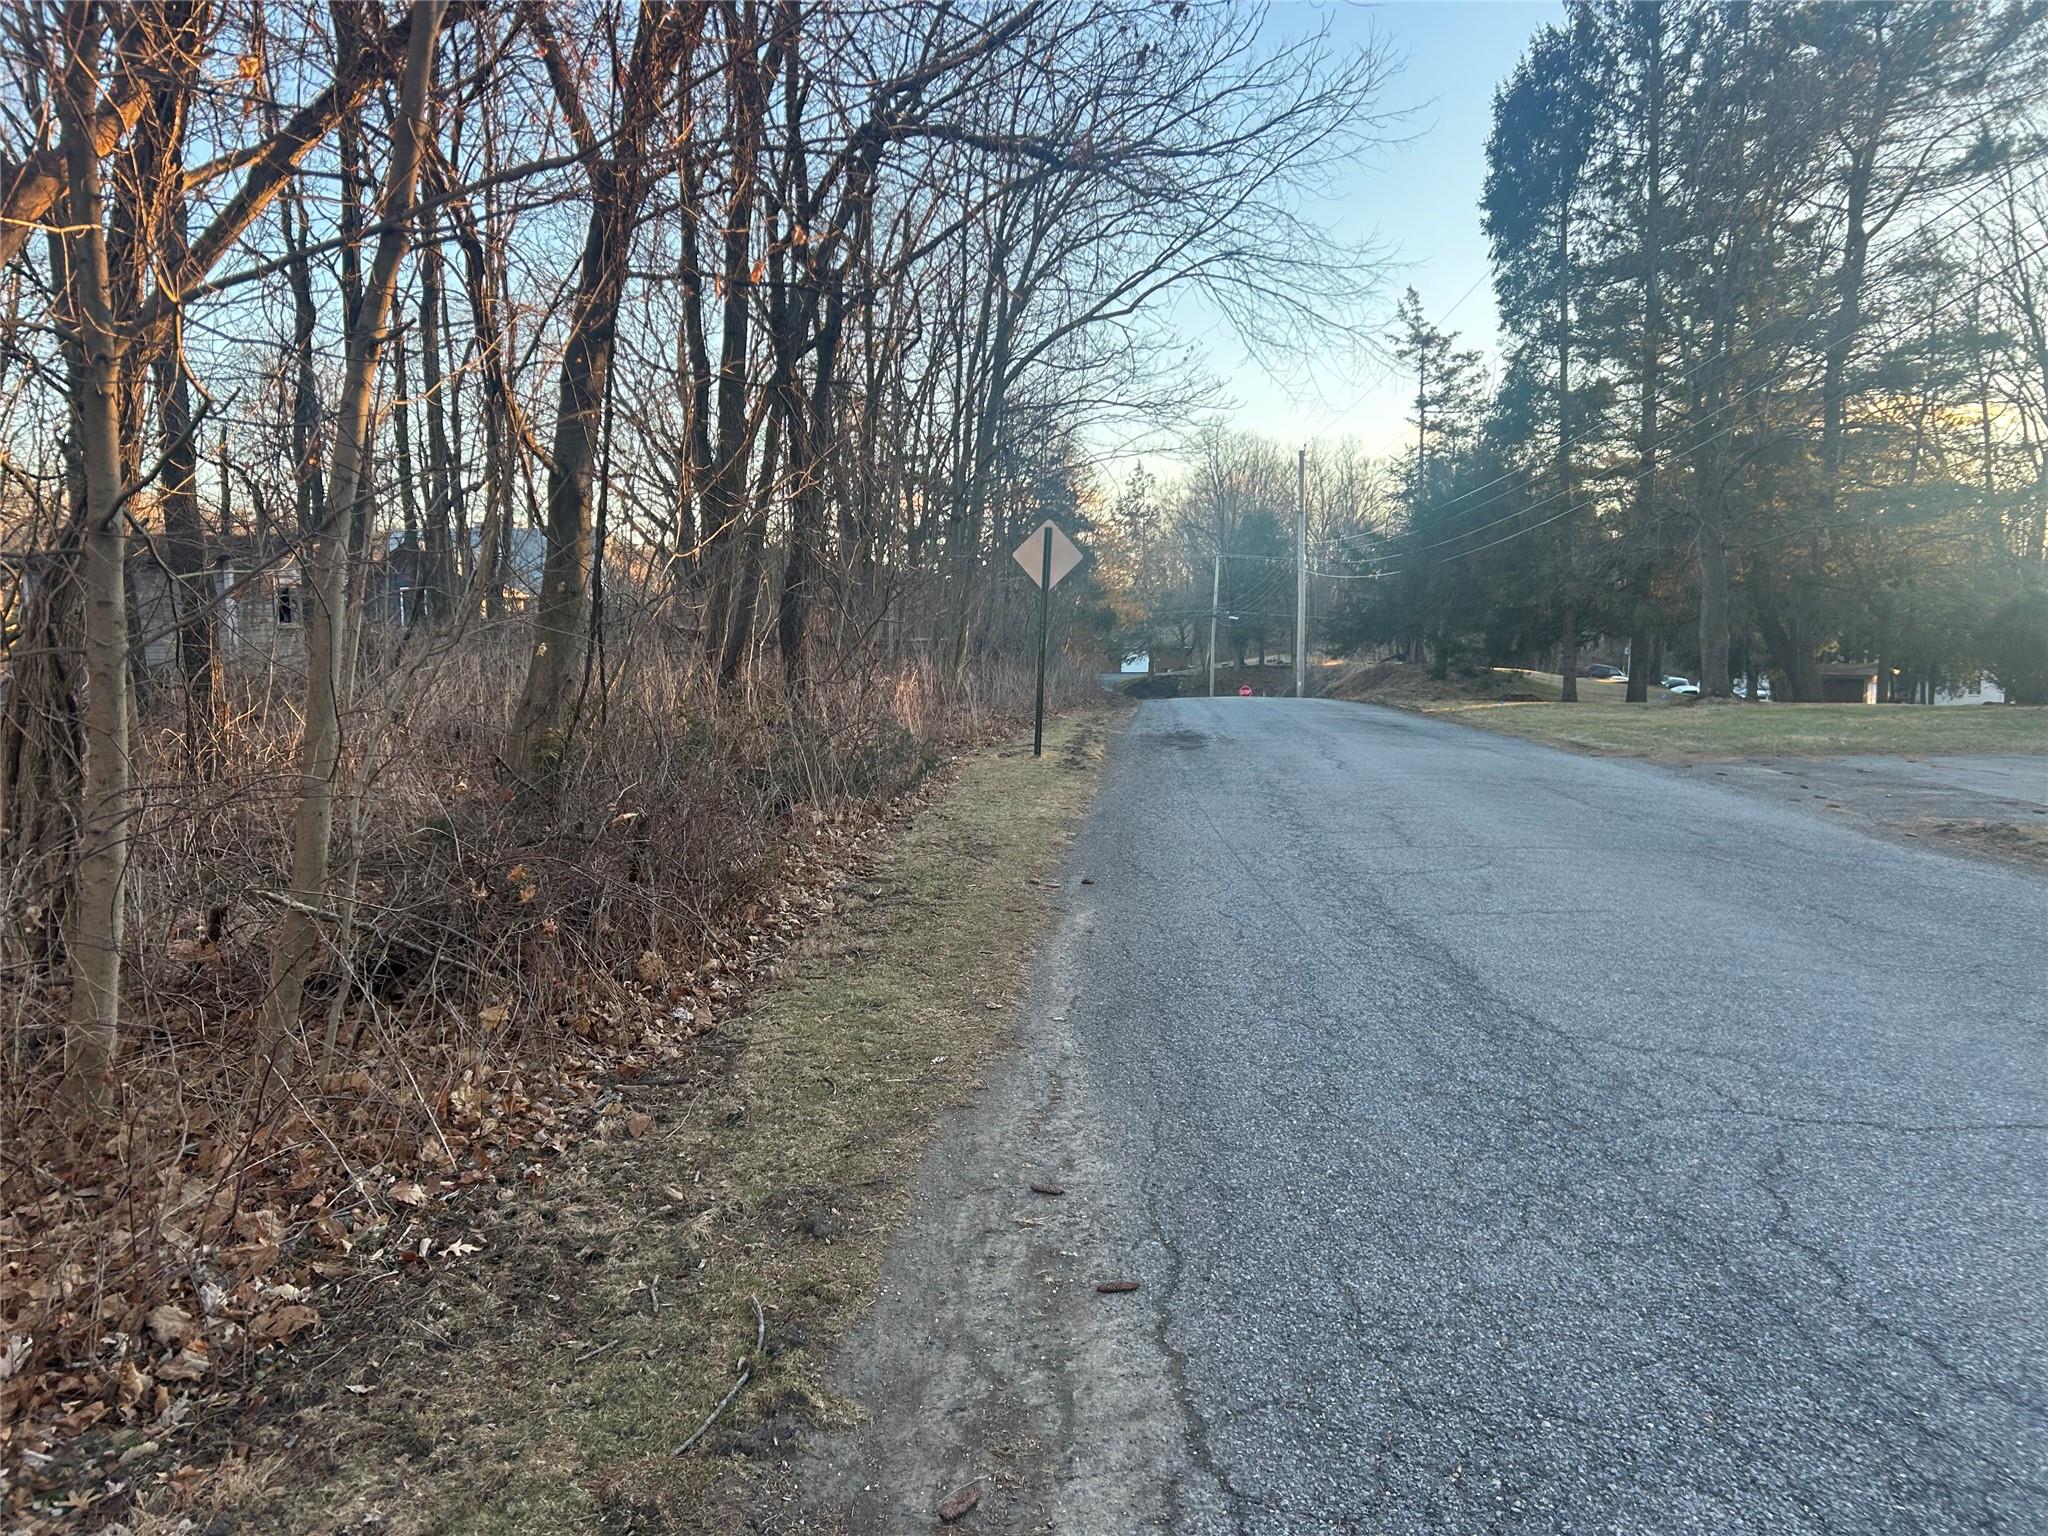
(693, 379)
(185, 553)
(326, 583)
(793, 307)
(745, 594)
(93, 940)
(1652, 355)
(1568, 621)
(440, 552)
(486, 563)
(1713, 543)
(310, 482)
(1568, 653)
(401, 429)
(42, 746)
(41, 755)
(456, 562)
(725, 492)
(1638, 662)
(1709, 490)
(554, 674)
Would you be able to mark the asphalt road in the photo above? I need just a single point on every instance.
(1504, 1140)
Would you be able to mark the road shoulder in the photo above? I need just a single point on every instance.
(613, 1319)
(1016, 1360)
(1961, 780)
(1995, 807)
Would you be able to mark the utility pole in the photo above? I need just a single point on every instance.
(1301, 573)
(1215, 597)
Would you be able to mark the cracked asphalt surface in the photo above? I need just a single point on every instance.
(1506, 1140)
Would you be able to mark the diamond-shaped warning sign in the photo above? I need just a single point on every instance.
(1031, 553)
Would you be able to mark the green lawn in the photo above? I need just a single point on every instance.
(1602, 722)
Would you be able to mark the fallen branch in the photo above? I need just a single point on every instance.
(746, 1375)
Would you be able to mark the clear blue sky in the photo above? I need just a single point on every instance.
(1422, 197)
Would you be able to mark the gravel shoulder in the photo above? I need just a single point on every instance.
(1992, 806)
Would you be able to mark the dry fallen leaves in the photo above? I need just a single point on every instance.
(130, 1384)
(190, 1363)
(254, 1229)
(170, 1324)
(283, 1323)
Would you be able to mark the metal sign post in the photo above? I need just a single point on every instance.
(1047, 555)
(1044, 623)
(1301, 574)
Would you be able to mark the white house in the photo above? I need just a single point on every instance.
(1981, 690)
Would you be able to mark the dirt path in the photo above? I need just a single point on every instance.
(1995, 806)
(1056, 1404)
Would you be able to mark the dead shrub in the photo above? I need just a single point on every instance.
(504, 948)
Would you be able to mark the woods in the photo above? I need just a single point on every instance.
(488, 491)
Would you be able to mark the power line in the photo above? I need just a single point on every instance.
(1408, 551)
(1640, 475)
(1444, 319)
(1811, 314)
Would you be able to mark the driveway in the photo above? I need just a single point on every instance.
(1501, 1140)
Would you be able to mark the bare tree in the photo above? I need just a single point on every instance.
(326, 567)
(619, 174)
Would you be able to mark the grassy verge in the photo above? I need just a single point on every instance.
(545, 1387)
(1600, 724)
(1666, 728)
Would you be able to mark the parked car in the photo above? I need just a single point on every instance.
(1600, 672)
(1763, 689)
(1674, 682)
(1684, 690)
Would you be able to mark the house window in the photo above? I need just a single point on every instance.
(287, 605)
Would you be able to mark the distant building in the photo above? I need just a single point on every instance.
(1981, 689)
(399, 582)
(1857, 683)
(1848, 683)
(260, 617)
(261, 608)
(257, 594)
